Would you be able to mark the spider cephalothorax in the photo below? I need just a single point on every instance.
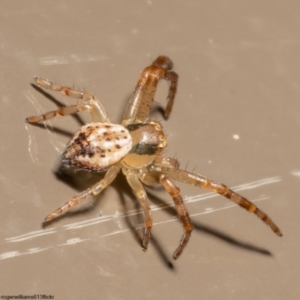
(136, 148)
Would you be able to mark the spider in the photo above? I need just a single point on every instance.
(134, 147)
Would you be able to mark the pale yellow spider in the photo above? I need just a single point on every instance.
(135, 147)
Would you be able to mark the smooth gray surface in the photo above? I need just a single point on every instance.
(235, 120)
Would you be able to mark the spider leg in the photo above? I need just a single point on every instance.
(174, 191)
(140, 104)
(203, 182)
(92, 191)
(142, 197)
(90, 103)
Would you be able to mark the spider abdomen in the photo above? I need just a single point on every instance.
(96, 146)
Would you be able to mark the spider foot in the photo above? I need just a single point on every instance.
(184, 240)
(146, 238)
(53, 215)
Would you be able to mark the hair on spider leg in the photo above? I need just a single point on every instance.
(186, 165)
(186, 168)
(193, 170)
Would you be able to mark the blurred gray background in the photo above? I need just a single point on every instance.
(235, 119)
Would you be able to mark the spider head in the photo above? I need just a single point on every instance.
(148, 141)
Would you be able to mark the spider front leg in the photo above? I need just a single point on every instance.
(140, 104)
(174, 191)
(90, 103)
(142, 197)
(203, 182)
(83, 196)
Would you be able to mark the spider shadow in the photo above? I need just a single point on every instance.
(199, 227)
(81, 180)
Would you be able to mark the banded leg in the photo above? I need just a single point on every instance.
(90, 103)
(142, 197)
(203, 182)
(140, 104)
(174, 191)
(83, 196)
